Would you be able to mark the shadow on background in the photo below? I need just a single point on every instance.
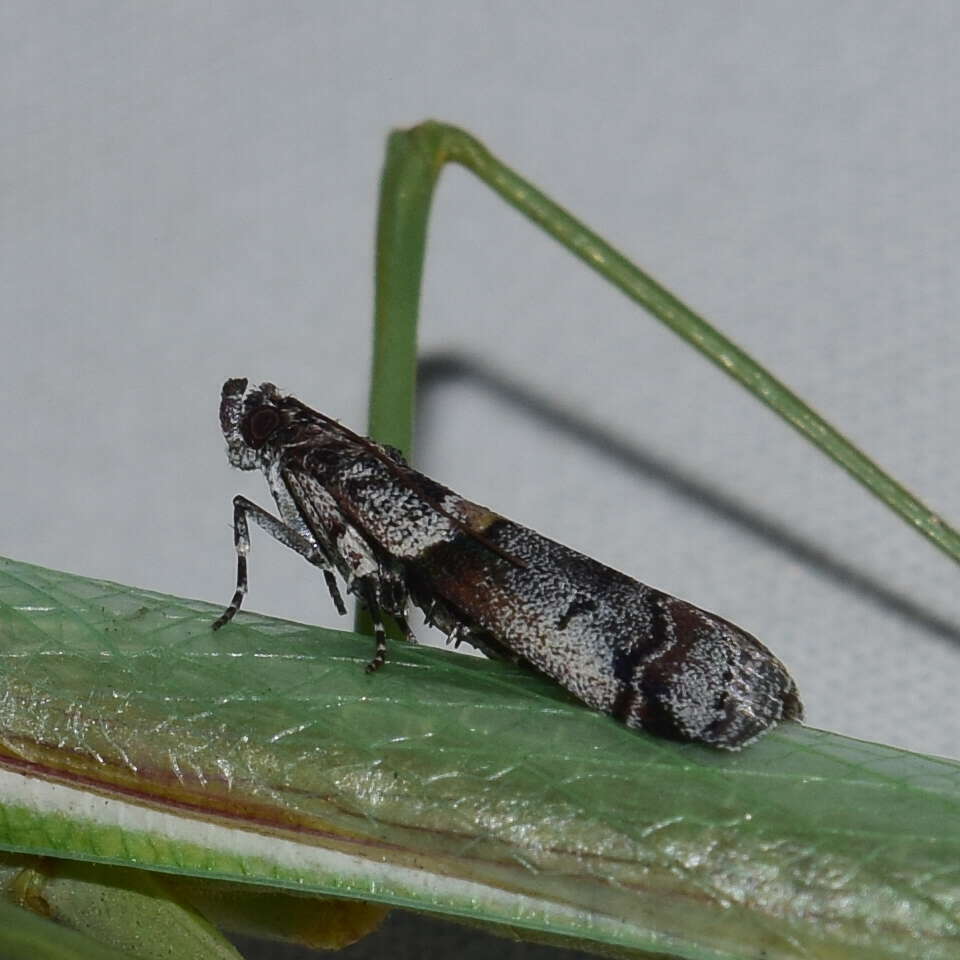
(439, 369)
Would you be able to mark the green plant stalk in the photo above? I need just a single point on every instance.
(414, 160)
(406, 193)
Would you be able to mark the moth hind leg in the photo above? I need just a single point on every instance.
(368, 594)
(393, 596)
(401, 621)
(484, 641)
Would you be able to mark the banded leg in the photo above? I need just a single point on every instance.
(368, 594)
(401, 622)
(242, 508)
(392, 596)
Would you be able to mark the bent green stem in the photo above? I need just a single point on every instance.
(414, 160)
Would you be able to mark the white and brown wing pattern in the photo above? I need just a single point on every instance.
(350, 505)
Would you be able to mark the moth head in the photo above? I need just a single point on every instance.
(249, 416)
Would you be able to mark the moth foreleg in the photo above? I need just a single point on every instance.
(308, 549)
(241, 543)
(243, 508)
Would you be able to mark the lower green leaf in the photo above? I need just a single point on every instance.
(264, 753)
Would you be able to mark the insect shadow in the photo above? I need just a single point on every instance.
(438, 369)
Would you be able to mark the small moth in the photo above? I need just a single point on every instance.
(355, 507)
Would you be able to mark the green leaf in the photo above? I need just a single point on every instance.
(132, 911)
(264, 753)
(26, 936)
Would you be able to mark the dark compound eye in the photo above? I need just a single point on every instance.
(260, 424)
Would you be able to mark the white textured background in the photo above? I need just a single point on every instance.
(188, 193)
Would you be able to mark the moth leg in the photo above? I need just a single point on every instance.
(401, 622)
(392, 596)
(242, 508)
(308, 549)
(333, 590)
(241, 542)
(368, 594)
(484, 641)
(457, 636)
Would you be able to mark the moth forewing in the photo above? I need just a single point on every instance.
(650, 660)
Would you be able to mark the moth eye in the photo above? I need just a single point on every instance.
(260, 424)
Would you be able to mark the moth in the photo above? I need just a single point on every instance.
(354, 507)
